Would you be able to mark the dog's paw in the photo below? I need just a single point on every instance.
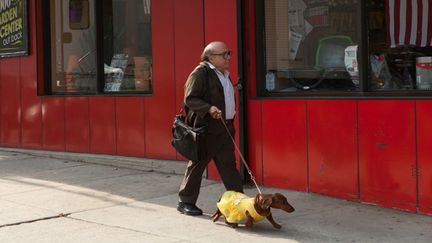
(232, 225)
(248, 224)
(215, 216)
(277, 226)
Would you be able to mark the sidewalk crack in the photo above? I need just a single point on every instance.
(62, 215)
(130, 229)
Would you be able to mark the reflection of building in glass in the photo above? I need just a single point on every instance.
(126, 32)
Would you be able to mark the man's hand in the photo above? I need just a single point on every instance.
(215, 112)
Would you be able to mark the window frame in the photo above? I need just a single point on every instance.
(45, 31)
(363, 61)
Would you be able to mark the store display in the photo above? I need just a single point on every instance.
(424, 73)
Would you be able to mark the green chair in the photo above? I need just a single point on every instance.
(329, 63)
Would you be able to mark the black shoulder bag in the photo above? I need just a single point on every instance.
(186, 139)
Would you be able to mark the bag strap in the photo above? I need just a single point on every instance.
(183, 109)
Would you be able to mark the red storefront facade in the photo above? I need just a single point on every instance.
(373, 149)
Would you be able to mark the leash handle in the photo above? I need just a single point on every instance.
(241, 157)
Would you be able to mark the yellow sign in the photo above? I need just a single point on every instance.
(13, 28)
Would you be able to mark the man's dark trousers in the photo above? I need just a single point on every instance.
(224, 159)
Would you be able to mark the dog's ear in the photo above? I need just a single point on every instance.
(265, 201)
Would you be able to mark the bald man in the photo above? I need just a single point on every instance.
(209, 100)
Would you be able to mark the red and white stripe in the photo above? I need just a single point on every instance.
(409, 22)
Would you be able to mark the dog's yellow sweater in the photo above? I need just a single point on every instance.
(233, 205)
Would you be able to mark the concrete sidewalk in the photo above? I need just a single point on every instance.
(55, 197)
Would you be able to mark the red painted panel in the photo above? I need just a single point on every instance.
(424, 145)
(188, 45)
(77, 124)
(220, 18)
(218, 15)
(387, 153)
(31, 109)
(1, 101)
(160, 108)
(10, 102)
(53, 123)
(332, 148)
(254, 139)
(102, 125)
(284, 143)
(188, 42)
(31, 119)
(130, 126)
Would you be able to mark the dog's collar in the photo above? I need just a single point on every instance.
(255, 215)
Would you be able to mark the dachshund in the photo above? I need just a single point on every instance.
(237, 207)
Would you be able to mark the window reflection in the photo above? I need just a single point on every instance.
(127, 45)
(400, 40)
(73, 46)
(79, 14)
(311, 45)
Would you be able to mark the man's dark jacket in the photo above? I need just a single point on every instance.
(203, 90)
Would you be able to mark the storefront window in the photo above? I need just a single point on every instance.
(310, 45)
(73, 59)
(118, 60)
(314, 46)
(400, 39)
(127, 52)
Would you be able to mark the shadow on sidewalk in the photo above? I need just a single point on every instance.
(146, 201)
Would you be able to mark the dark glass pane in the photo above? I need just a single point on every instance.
(311, 45)
(73, 49)
(400, 53)
(79, 14)
(127, 45)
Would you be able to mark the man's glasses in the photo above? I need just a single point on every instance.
(225, 54)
